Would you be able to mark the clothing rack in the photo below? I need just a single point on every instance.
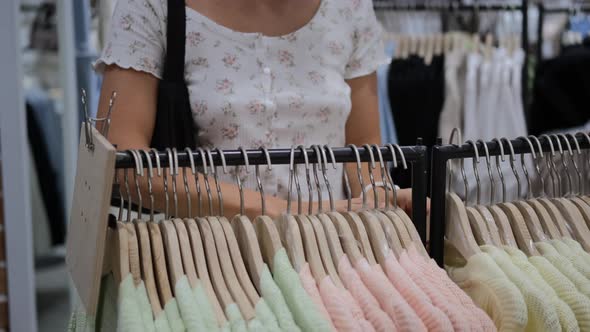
(548, 10)
(455, 6)
(441, 154)
(415, 157)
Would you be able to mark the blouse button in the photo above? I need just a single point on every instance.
(266, 70)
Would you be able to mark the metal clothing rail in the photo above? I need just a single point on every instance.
(441, 154)
(415, 157)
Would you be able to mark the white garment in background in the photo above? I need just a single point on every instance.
(451, 115)
(252, 90)
(470, 101)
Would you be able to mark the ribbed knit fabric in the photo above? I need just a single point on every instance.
(255, 325)
(189, 308)
(205, 307)
(565, 267)
(390, 300)
(161, 323)
(565, 289)
(106, 314)
(567, 318)
(313, 291)
(438, 277)
(146, 309)
(405, 275)
(336, 305)
(355, 309)
(236, 321)
(541, 313)
(577, 247)
(173, 316)
(368, 303)
(573, 256)
(273, 296)
(128, 307)
(265, 316)
(490, 289)
(306, 314)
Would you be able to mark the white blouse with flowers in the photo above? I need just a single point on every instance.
(252, 90)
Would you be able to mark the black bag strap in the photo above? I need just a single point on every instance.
(175, 41)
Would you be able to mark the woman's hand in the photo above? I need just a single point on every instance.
(404, 201)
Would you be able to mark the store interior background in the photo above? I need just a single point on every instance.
(45, 60)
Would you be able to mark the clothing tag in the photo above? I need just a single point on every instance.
(87, 228)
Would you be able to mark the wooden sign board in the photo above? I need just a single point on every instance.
(87, 228)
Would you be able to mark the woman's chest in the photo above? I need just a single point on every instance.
(239, 80)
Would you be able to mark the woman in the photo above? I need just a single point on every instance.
(259, 73)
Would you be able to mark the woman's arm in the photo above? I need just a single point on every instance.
(132, 125)
(363, 127)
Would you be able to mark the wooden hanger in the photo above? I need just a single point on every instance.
(159, 256)
(374, 219)
(311, 249)
(196, 245)
(228, 271)
(172, 249)
(458, 230)
(217, 279)
(270, 240)
(572, 215)
(238, 261)
(478, 224)
(214, 268)
(231, 279)
(202, 268)
(248, 244)
(145, 251)
(120, 256)
(354, 220)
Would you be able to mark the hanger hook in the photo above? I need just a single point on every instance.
(87, 123)
(150, 172)
(489, 167)
(216, 180)
(576, 168)
(359, 173)
(372, 166)
(512, 160)
(315, 166)
(173, 173)
(138, 172)
(560, 149)
(239, 180)
(499, 169)
(307, 178)
(326, 179)
(523, 165)
(457, 132)
(346, 180)
(291, 176)
(587, 137)
(206, 177)
(191, 159)
(563, 162)
(260, 187)
(566, 167)
(476, 171)
(551, 166)
(537, 167)
(383, 173)
(128, 192)
(389, 178)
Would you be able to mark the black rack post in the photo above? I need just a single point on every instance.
(441, 154)
(414, 155)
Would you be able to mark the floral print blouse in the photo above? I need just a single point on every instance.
(252, 90)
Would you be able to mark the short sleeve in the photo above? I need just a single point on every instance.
(368, 52)
(137, 37)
